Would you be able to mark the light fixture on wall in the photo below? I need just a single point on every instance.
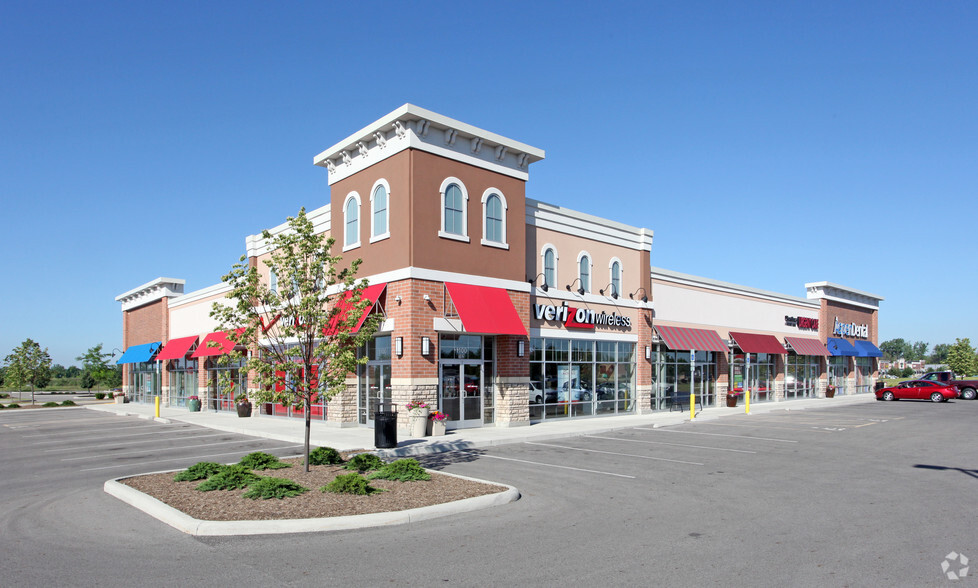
(648, 352)
(545, 286)
(399, 346)
(427, 298)
(580, 288)
(425, 346)
(520, 348)
(645, 297)
(614, 291)
(397, 299)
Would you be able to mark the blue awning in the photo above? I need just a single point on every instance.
(139, 353)
(840, 347)
(867, 349)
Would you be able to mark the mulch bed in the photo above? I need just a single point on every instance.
(229, 505)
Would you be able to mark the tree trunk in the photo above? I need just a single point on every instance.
(308, 427)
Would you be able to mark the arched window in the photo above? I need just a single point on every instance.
(351, 216)
(494, 218)
(615, 278)
(584, 272)
(550, 266)
(272, 280)
(454, 205)
(379, 216)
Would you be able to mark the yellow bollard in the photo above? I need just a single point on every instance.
(692, 406)
(157, 407)
(747, 394)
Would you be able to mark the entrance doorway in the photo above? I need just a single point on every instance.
(461, 390)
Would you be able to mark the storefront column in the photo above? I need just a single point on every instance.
(643, 364)
(341, 410)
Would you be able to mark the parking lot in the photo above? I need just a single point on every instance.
(866, 494)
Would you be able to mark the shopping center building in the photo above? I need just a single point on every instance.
(502, 310)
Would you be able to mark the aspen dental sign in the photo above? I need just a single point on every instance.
(580, 318)
(850, 329)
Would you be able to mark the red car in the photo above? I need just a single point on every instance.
(918, 390)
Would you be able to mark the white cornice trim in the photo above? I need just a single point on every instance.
(839, 293)
(570, 222)
(442, 276)
(198, 295)
(412, 127)
(320, 218)
(664, 275)
(538, 295)
(151, 292)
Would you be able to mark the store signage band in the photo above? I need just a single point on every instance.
(580, 318)
(801, 322)
(850, 329)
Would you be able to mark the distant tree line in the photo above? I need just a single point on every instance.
(29, 367)
(959, 357)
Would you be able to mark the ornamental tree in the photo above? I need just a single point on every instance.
(28, 364)
(961, 357)
(299, 335)
(95, 362)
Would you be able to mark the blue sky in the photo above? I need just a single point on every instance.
(767, 144)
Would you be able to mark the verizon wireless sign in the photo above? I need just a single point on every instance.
(580, 318)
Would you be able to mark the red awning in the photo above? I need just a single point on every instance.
(806, 346)
(223, 345)
(754, 343)
(177, 348)
(683, 338)
(371, 294)
(485, 310)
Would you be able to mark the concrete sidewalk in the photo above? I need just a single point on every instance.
(291, 430)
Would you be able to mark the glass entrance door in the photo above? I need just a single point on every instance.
(378, 387)
(460, 390)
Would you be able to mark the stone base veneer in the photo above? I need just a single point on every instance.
(512, 402)
(341, 410)
(644, 398)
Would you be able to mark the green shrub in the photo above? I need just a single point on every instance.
(49, 404)
(68, 403)
(280, 488)
(2, 406)
(260, 460)
(198, 471)
(99, 395)
(352, 483)
(363, 462)
(4, 395)
(403, 470)
(324, 456)
(13, 405)
(232, 477)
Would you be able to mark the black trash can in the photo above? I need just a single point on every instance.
(880, 385)
(385, 425)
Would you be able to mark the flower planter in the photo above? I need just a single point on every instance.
(418, 422)
(830, 392)
(244, 409)
(120, 399)
(732, 400)
(193, 405)
(437, 428)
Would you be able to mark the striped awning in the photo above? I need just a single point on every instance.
(683, 338)
(806, 346)
(755, 343)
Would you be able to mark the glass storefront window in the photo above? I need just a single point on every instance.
(763, 370)
(675, 376)
(183, 380)
(864, 369)
(801, 376)
(221, 397)
(374, 378)
(572, 378)
(144, 381)
(839, 373)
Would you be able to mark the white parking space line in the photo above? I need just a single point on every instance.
(759, 427)
(101, 445)
(107, 438)
(87, 432)
(718, 435)
(548, 465)
(104, 455)
(38, 424)
(667, 443)
(129, 465)
(614, 453)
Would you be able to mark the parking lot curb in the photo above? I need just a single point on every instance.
(203, 528)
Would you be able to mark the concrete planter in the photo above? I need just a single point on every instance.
(418, 422)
